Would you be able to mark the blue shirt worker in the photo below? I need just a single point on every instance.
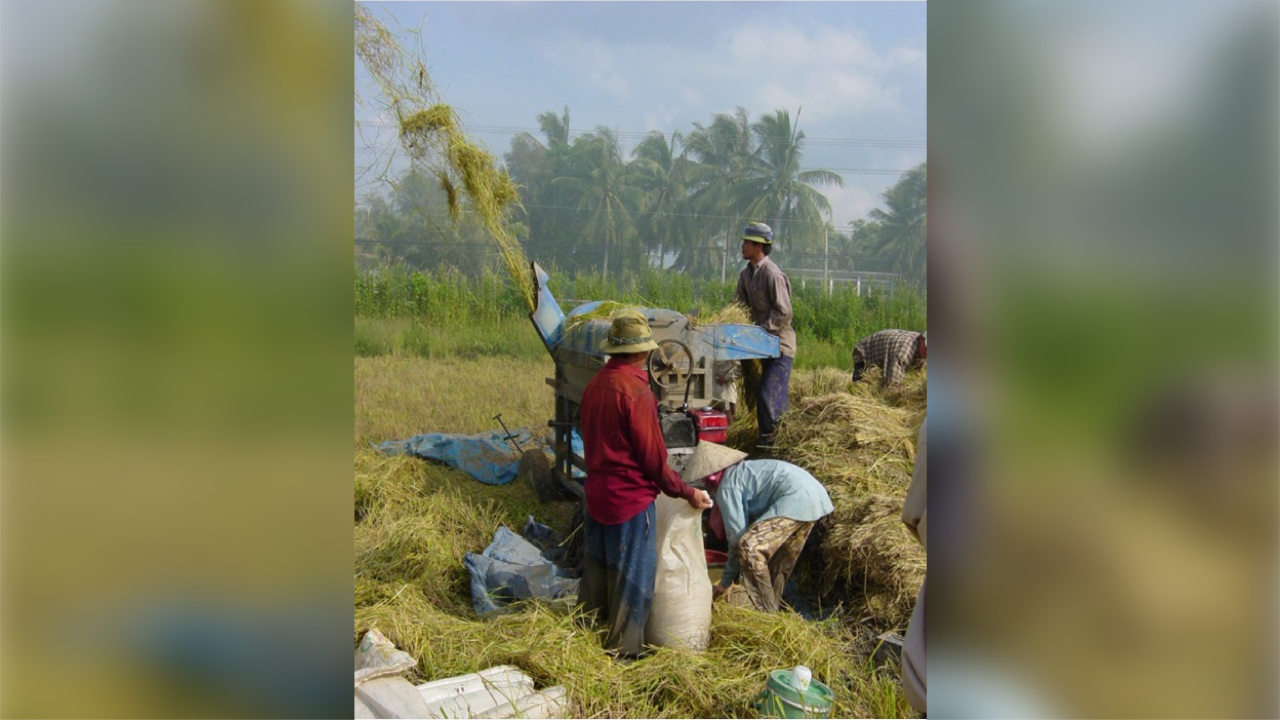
(766, 292)
(769, 508)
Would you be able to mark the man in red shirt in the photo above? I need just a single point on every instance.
(626, 469)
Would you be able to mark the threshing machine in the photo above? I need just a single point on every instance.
(681, 373)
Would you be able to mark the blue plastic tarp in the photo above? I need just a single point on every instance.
(512, 568)
(488, 457)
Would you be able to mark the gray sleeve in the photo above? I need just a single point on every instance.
(780, 309)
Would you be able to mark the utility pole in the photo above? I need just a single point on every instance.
(826, 258)
(724, 258)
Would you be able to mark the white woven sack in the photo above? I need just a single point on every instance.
(681, 615)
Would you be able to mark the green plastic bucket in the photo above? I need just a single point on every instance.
(780, 700)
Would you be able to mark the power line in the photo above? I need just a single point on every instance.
(695, 215)
(837, 171)
(488, 246)
(699, 216)
(642, 134)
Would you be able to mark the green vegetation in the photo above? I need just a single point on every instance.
(446, 314)
(512, 337)
(582, 205)
(898, 232)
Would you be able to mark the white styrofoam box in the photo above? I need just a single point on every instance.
(392, 697)
(550, 703)
(363, 711)
(462, 684)
(478, 701)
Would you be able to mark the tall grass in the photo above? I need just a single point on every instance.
(448, 314)
(393, 291)
(511, 336)
(843, 317)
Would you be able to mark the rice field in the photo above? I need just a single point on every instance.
(415, 521)
(446, 353)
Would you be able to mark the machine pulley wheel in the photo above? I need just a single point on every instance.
(670, 364)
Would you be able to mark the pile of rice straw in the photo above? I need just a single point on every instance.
(731, 314)
(416, 521)
(604, 311)
(860, 442)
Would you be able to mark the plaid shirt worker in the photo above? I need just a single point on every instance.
(893, 351)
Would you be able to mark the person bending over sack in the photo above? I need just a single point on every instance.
(768, 508)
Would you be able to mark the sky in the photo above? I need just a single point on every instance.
(853, 72)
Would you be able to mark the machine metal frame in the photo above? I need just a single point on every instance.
(681, 370)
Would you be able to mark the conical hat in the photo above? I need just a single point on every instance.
(709, 458)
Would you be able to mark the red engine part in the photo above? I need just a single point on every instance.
(712, 424)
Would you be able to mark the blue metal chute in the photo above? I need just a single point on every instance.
(739, 342)
(547, 317)
(585, 308)
(683, 370)
(715, 342)
(588, 335)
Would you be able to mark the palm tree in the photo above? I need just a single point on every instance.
(552, 228)
(556, 129)
(903, 224)
(723, 152)
(781, 191)
(663, 176)
(608, 193)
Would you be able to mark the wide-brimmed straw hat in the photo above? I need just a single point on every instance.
(629, 333)
(710, 458)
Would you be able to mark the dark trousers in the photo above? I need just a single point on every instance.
(772, 399)
(619, 567)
